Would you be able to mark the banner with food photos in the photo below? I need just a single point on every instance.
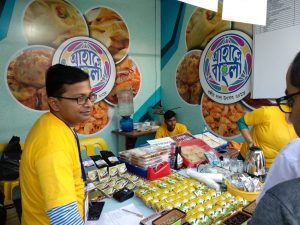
(209, 65)
(95, 36)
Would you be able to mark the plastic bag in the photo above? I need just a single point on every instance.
(10, 160)
(2, 210)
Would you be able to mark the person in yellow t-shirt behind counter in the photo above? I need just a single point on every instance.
(170, 127)
(271, 131)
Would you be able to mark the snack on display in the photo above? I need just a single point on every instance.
(128, 77)
(109, 180)
(203, 26)
(99, 162)
(26, 76)
(122, 169)
(109, 191)
(109, 28)
(211, 139)
(95, 195)
(113, 171)
(103, 175)
(147, 156)
(187, 78)
(222, 119)
(170, 217)
(237, 218)
(51, 22)
(99, 119)
(209, 207)
(250, 208)
(193, 153)
(92, 175)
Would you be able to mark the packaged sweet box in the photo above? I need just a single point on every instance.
(147, 156)
(212, 140)
(194, 151)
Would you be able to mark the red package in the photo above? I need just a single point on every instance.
(193, 152)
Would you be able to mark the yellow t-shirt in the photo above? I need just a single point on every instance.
(162, 131)
(270, 131)
(50, 172)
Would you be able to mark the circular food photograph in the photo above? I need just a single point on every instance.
(101, 115)
(26, 76)
(187, 77)
(203, 26)
(128, 78)
(244, 27)
(252, 104)
(222, 119)
(108, 27)
(51, 22)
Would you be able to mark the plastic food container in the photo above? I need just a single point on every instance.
(197, 149)
(144, 153)
(250, 208)
(237, 218)
(250, 196)
(173, 217)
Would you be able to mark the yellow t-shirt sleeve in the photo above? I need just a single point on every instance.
(257, 116)
(183, 128)
(159, 133)
(56, 179)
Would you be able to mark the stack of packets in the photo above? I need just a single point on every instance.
(244, 182)
(112, 179)
(145, 157)
(201, 204)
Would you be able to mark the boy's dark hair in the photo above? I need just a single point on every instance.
(295, 71)
(58, 75)
(169, 114)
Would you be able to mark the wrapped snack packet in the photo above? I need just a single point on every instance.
(103, 175)
(92, 175)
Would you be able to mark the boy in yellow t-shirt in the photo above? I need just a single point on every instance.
(170, 127)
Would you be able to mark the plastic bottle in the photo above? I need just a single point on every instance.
(178, 158)
(172, 155)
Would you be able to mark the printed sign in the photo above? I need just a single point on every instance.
(226, 66)
(92, 57)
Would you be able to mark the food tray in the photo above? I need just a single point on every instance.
(250, 196)
(202, 146)
(212, 140)
(237, 218)
(250, 208)
(175, 215)
(146, 152)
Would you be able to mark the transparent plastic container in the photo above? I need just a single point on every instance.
(125, 102)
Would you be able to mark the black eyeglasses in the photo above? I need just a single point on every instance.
(82, 99)
(286, 103)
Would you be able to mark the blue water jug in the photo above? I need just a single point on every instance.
(126, 124)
